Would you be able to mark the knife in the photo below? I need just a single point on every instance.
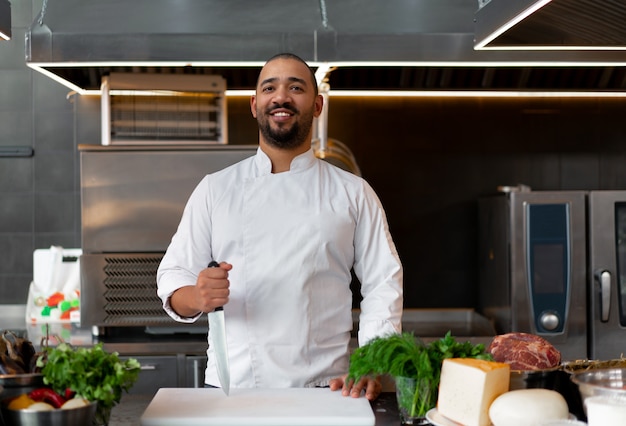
(217, 328)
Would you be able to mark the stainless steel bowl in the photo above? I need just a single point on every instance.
(81, 416)
(17, 384)
(528, 379)
(607, 382)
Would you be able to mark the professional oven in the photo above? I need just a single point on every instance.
(532, 273)
(607, 274)
(554, 264)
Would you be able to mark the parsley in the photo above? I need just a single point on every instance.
(90, 372)
(404, 355)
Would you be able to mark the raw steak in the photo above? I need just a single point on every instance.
(524, 351)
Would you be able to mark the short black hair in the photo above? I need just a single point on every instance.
(286, 55)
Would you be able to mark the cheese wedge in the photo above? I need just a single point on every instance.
(468, 387)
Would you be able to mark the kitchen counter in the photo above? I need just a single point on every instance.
(123, 340)
(128, 412)
(428, 324)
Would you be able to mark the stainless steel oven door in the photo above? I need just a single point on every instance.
(607, 274)
(548, 268)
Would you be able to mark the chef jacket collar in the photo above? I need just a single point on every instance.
(300, 162)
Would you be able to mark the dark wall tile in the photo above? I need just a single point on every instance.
(54, 171)
(14, 288)
(16, 94)
(16, 174)
(54, 130)
(55, 212)
(16, 128)
(16, 212)
(13, 248)
(44, 240)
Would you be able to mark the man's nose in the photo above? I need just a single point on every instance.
(282, 95)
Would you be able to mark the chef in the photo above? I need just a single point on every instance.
(286, 229)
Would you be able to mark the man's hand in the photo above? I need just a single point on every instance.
(210, 291)
(371, 385)
(212, 287)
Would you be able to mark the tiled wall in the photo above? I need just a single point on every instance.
(428, 159)
(38, 194)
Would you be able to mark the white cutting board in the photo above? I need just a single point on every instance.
(270, 407)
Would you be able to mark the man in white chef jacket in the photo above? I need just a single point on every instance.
(287, 228)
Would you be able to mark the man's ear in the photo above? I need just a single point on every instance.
(319, 105)
(253, 105)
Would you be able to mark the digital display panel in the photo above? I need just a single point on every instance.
(548, 268)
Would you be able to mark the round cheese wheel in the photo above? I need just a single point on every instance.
(525, 407)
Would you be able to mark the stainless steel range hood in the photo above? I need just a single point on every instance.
(369, 44)
(551, 24)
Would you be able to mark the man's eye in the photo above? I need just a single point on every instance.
(268, 89)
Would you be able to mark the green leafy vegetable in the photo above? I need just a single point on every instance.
(404, 355)
(92, 373)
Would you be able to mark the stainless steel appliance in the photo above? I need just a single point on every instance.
(532, 266)
(607, 274)
(132, 198)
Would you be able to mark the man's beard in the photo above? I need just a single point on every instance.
(283, 137)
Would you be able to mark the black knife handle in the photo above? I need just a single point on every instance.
(214, 264)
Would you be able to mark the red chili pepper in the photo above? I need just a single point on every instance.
(47, 395)
(69, 394)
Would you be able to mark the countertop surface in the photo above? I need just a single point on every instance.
(139, 341)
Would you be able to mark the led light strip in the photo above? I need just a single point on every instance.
(325, 68)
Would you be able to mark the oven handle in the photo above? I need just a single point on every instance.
(604, 279)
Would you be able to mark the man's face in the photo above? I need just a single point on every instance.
(285, 103)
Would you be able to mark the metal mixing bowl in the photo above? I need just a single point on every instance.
(17, 384)
(529, 379)
(81, 416)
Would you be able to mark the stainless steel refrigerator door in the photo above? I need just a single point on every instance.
(607, 274)
(552, 305)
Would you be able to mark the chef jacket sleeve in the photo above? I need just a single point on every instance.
(188, 252)
(378, 268)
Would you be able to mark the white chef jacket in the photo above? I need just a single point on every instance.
(292, 239)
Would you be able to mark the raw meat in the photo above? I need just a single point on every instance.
(524, 351)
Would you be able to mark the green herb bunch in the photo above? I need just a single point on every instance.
(404, 355)
(90, 372)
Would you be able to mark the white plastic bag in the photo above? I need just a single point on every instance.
(54, 293)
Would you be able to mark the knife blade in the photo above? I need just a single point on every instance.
(217, 329)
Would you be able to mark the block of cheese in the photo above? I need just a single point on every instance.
(468, 387)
